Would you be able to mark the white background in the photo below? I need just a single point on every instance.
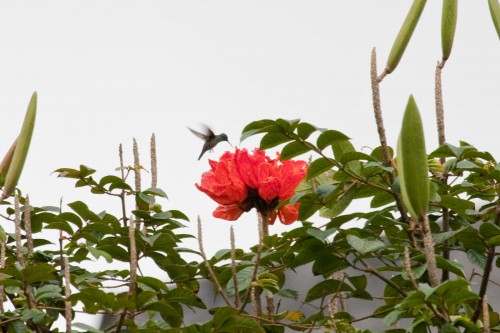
(110, 71)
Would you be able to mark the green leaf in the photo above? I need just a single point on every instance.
(330, 137)
(116, 183)
(337, 205)
(256, 127)
(288, 293)
(293, 149)
(83, 211)
(304, 130)
(156, 192)
(322, 235)
(244, 278)
(273, 139)
(170, 314)
(477, 258)
(39, 272)
(326, 287)
(240, 324)
(185, 296)
(86, 328)
(355, 156)
(365, 245)
(318, 167)
(152, 282)
(328, 264)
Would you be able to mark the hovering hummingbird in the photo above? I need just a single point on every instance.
(211, 140)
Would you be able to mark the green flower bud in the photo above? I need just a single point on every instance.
(448, 25)
(404, 35)
(412, 163)
(21, 150)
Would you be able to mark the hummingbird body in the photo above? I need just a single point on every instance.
(211, 140)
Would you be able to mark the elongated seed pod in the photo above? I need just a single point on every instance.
(495, 14)
(404, 35)
(448, 26)
(412, 163)
(21, 151)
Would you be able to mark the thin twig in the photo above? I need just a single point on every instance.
(154, 164)
(122, 194)
(27, 226)
(407, 265)
(3, 246)
(438, 95)
(430, 254)
(486, 315)
(17, 219)
(233, 268)
(381, 129)
(442, 140)
(133, 261)
(257, 306)
(209, 268)
(378, 110)
(67, 294)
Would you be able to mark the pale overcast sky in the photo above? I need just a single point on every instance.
(108, 71)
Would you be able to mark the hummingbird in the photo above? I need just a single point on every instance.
(211, 140)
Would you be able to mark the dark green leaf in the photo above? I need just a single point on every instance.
(241, 324)
(318, 167)
(83, 211)
(329, 137)
(256, 127)
(477, 258)
(39, 272)
(293, 149)
(325, 288)
(304, 130)
(273, 139)
(184, 296)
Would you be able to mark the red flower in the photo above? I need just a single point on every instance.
(242, 181)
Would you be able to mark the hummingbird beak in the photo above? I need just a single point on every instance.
(229, 143)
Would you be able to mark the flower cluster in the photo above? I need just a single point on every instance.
(241, 181)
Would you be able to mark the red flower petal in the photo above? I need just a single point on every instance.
(228, 212)
(292, 174)
(289, 213)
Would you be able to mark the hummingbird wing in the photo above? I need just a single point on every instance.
(202, 136)
(208, 131)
